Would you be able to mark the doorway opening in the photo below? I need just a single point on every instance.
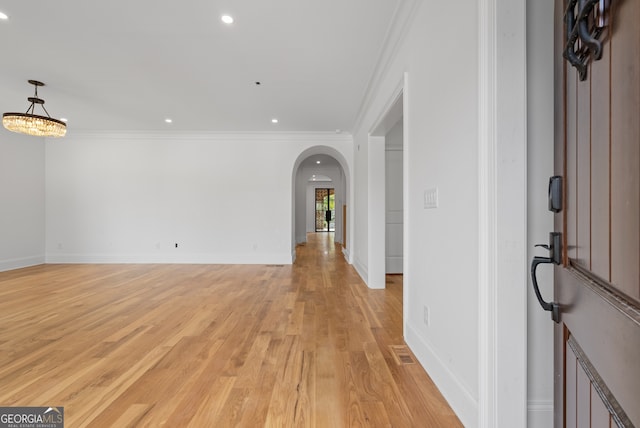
(324, 168)
(325, 210)
(387, 200)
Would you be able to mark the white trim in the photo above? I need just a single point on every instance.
(204, 258)
(400, 25)
(384, 112)
(406, 185)
(305, 137)
(376, 213)
(456, 392)
(361, 268)
(345, 253)
(502, 215)
(22, 262)
(487, 217)
(540, 414)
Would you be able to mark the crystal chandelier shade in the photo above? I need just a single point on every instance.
(32, 124)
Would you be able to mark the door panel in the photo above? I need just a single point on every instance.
(583, 391)
(571, 188)
(608, 336)
(583, 171)
(325, 210)
(597, 287)
(572, 390)
(393, 211)
(625, 134)
(600, 416)
(600, 182)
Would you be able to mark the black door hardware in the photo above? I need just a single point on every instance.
(555, 194)
(555, 257)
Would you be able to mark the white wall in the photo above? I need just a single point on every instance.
(22, 200)
(359, 209)
(465, 133)
(540, 220)
(442, 266)
(300, 209)
(131, 197)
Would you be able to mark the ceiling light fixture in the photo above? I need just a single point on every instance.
(274, 120)
(318, 162)
(227, 19)
(168, 120)
(33, 124)
(3, 16)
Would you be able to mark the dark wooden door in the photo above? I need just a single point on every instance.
(597, 285)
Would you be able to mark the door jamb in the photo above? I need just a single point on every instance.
(502, 293)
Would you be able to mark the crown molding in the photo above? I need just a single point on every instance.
(400, 24)
(302, 137)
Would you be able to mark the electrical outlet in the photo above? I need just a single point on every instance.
(427, 321)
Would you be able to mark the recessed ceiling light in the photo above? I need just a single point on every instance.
(274, 120)
(168, 120)
(3, 16)
(318, 162)
(227, 19)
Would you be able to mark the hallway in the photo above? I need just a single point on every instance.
(213, 345)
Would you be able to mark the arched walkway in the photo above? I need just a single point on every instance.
(319, 161)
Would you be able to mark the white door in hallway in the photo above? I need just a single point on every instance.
(393, 211)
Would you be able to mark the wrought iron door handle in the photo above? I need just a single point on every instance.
(555, 247)
(547, 306)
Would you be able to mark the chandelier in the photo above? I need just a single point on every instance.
(33, 124)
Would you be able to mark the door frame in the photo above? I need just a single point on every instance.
(502, 216)
(330, 191)
(376, 196)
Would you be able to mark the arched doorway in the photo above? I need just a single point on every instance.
(320, 167)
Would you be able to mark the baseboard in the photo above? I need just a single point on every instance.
(223, 259)
(394, 265)
(22, 262)
(457, 394)
(347, 256)
(539, 414)
(361, 269)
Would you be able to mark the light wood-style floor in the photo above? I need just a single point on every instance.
(306, 345)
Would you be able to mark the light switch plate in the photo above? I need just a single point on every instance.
(431, 198)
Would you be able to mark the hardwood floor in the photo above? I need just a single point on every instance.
(307, 345)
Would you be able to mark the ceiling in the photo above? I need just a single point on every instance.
(318, 164)
(129, 65)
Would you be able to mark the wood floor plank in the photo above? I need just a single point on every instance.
(305, 345)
